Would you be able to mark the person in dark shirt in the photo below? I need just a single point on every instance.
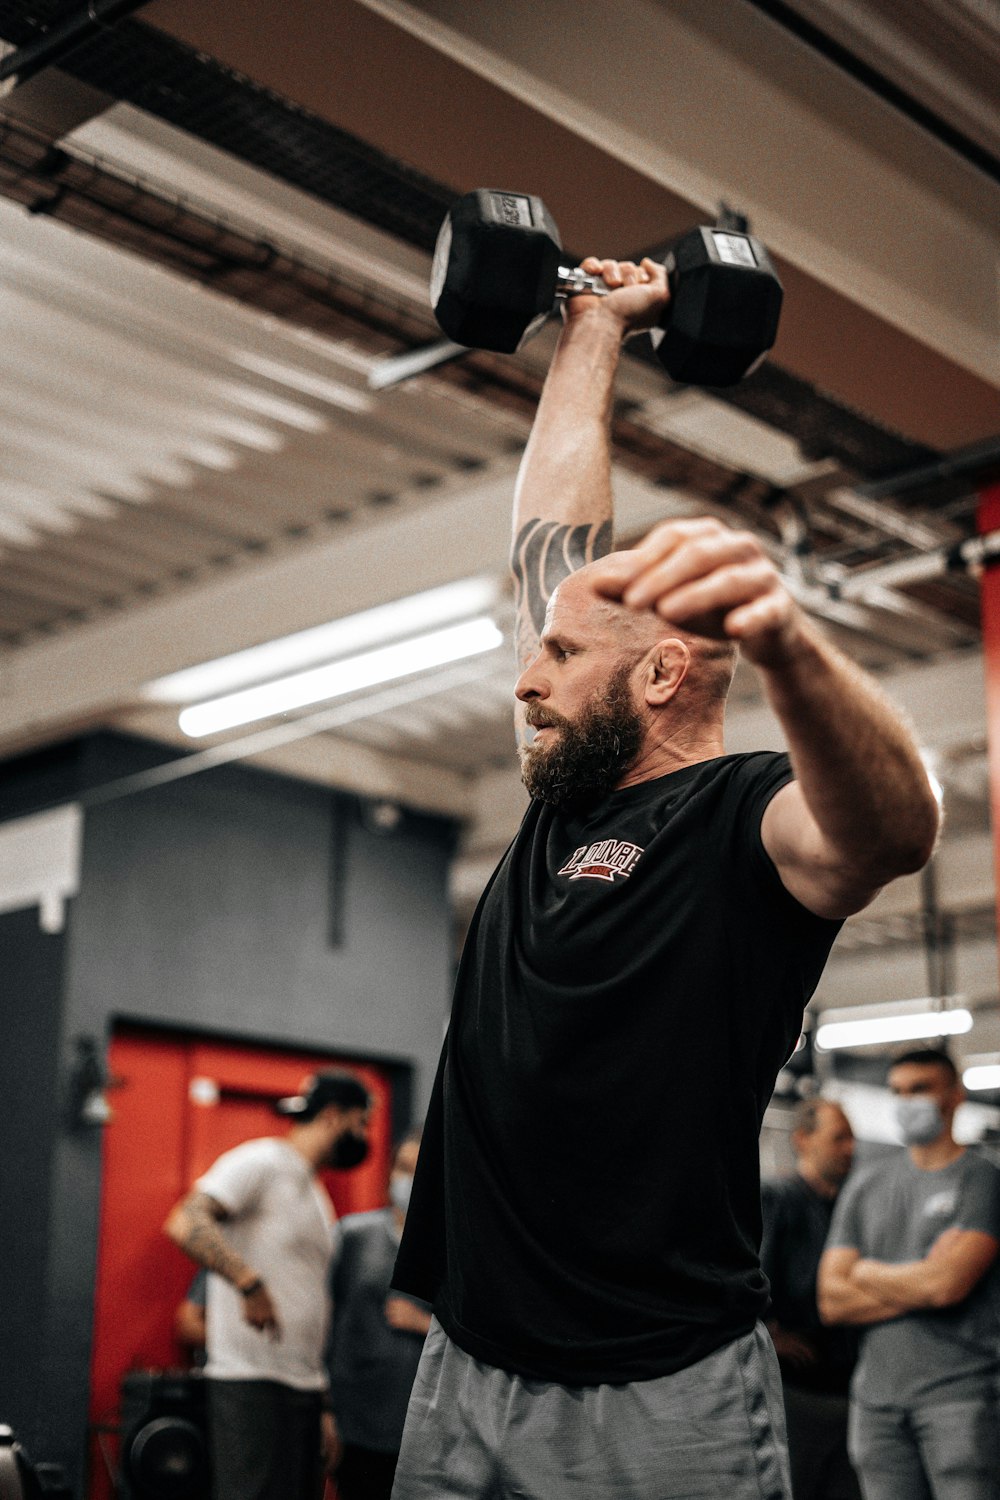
(375, 1342)
(585, 1218)
(816, 1361)
(189, 1319)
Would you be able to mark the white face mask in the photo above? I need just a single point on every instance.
(400, 1184)
(919, 1119)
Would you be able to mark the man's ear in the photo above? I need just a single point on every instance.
(667, 669)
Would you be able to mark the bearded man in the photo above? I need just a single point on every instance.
(261, 1221)
(585, 1217)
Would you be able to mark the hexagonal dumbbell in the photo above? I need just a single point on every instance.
(498, 274)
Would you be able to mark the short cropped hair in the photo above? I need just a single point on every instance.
(805, 1118)
(928, 1057)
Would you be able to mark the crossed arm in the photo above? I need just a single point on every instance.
(853, 1289)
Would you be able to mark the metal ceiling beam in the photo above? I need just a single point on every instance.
(791, 143)
(960, 473)
(873, 78)
(63, 37)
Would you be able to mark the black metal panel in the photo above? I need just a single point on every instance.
(822, 426)
(825, 428)
(32, 963)
(145, 67)
(874, 79)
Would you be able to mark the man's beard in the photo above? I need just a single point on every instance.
(593, 751)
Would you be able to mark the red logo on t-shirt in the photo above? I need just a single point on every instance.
(602, 861)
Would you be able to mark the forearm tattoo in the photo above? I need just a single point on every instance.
(544, 553)
(204, 1241)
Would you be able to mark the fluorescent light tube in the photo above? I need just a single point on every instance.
(351, 675)
(917, 1026)
(323, 643)
(983, 1076)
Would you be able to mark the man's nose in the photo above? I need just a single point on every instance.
(531, 683)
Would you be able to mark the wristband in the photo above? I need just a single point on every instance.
(251, 1287)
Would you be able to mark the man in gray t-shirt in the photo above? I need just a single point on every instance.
(912, 1259)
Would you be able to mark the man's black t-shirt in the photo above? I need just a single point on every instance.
(586, 1206)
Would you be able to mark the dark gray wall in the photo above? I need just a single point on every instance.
(211, 902)
(237, 903)
(31, 966)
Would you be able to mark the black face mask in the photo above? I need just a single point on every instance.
(349, 1150)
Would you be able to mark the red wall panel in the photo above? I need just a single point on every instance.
(989, 591)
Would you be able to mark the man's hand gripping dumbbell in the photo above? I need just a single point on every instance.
(498, 274)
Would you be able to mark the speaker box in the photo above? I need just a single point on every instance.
(20, 1479)
(164, 1454)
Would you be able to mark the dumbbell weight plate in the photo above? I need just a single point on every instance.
(495, 270)
(724, 309)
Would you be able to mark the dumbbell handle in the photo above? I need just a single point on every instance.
(570, 281)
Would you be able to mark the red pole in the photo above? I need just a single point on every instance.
(988, 519)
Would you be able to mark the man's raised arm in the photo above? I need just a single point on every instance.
(563, 501)
(861, 810)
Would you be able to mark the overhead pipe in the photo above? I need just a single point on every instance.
(951, 475)
(62, 38)
(962, 557)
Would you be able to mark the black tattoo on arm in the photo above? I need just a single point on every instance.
(544, 553)
(195, 1227)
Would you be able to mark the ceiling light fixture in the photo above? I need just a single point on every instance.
(912, 1021)
(324, 643)
(350, 675)
(982, 1076)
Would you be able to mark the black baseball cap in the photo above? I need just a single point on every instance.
(320, 1089)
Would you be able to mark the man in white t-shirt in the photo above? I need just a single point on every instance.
(260, 1220)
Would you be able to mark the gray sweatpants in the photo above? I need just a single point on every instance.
(475, 1432)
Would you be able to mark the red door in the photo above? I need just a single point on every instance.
(177, 1104)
